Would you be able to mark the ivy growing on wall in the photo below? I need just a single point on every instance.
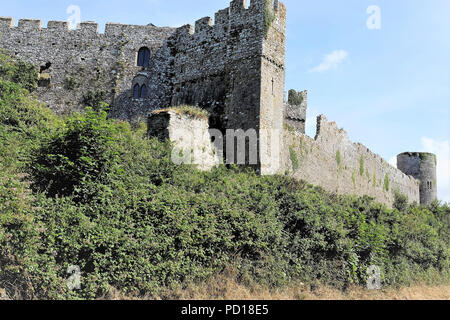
(269, 16)
(288, 127)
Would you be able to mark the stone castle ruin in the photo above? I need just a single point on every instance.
(234, 68)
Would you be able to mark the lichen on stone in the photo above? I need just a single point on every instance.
(269, 17)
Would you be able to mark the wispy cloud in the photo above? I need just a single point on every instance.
(442, 151)
(331, 61)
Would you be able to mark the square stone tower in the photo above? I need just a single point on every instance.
(235, 69)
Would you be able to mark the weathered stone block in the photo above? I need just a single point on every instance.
(189, 135)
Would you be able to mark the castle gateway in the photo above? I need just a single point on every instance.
(234, 68)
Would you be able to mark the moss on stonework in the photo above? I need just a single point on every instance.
(44, 76)
(191, 111)
(423, 156)
(338, 158)
(295, 98)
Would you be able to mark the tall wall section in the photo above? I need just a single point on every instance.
(272, 86)
(82, 60)
(232, 67)
(333, 162)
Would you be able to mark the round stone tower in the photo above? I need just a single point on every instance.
(421, 166)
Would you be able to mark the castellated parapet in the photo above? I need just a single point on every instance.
(295, 110)
(233, 66)
(189, 134)
(421, 166)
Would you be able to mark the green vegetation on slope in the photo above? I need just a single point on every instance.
(89, 191)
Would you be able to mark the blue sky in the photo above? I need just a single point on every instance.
(388, 87)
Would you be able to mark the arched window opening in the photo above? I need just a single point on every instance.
(136, 91)
(143, 93)
(143, 57)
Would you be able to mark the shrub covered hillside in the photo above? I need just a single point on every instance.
(84, 190)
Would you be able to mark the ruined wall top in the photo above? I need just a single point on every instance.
(87, 27)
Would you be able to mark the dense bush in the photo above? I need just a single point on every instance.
(110, 201)
(78, 155)
(18, 72)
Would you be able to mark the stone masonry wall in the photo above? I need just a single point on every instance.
(422, 166)
(333, 162)
(223, 67)
(81, 60)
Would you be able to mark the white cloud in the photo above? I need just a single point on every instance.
(331, 61)
(393, 162)
(442, 151)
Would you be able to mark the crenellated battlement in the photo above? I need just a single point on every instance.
(90, 28)
(233, 66)
(340, 166)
